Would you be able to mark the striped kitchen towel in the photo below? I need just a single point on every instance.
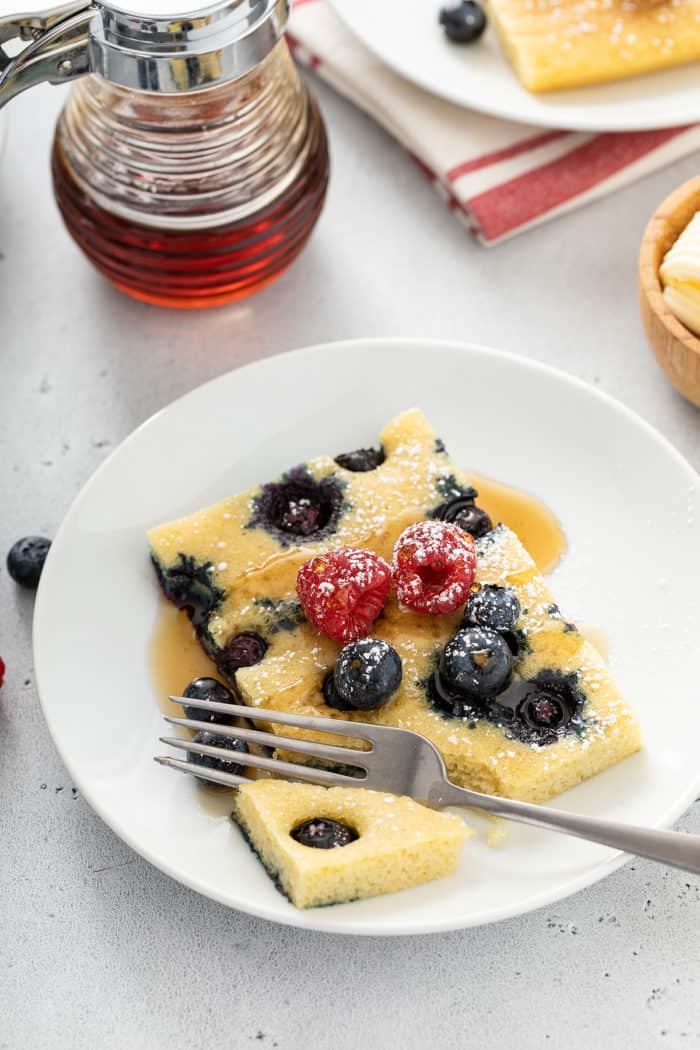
(498, 177)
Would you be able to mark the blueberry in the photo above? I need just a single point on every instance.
(541, 710)
(223, 765)
(243, 650)
(367, 673)
(323, 833)
(361, 460)
(476, 663)
(548, 708)
(473, 520)
(494, 607)
(298, 507)
(188, 584)
(208, 689)
(463, 23)
(464, 512)
(331, 695)
(546, 711)
(26, 560)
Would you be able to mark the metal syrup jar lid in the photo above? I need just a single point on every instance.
(164, 46)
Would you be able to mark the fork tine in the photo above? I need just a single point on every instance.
(268, 714)
(347, 755)
(276, 765)
(217, 775)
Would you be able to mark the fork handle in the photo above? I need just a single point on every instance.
(675, 848)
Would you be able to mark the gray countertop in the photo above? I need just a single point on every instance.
(100, 950)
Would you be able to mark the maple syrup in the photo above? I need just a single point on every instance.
(535, 525)
(190, 162)
(202, 267)
(176, 657)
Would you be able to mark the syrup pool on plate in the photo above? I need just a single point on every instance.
(176, 657)
(537, 527)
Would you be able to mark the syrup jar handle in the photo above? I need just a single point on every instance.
(56, 49)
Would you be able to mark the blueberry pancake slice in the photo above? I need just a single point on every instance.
(330, 845)
(517, 701)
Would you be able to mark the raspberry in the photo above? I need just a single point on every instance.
(433, 567)
(2, 670)
(343, 592)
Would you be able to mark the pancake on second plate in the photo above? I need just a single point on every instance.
(555, 44)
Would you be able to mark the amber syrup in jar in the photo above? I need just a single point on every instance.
(198, 199)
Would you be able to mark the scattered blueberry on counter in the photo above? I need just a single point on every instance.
(323, 833)
(367, 674)
(26, 560)
(463, 23)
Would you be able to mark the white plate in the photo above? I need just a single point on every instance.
(406, 35)
(626, 500)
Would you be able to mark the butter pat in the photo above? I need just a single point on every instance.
(680, 276)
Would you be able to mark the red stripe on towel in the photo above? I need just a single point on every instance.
(520, 200)
(504, 154)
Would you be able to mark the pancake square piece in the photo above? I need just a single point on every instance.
(556, 44)
(398, 843)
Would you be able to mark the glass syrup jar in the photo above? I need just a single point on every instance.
(189, 163)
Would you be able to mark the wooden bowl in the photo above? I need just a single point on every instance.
(675, 348)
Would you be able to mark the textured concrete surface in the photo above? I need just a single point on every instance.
(98, 949)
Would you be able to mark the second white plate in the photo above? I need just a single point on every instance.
(406, 35)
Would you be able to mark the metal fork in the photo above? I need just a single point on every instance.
(404, 763)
